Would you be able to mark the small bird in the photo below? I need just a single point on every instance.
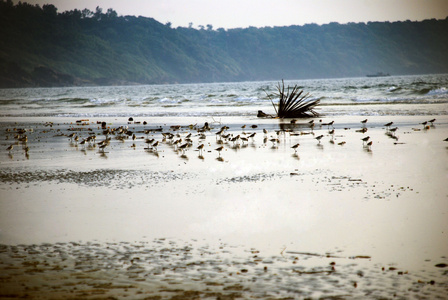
(71, 136)
(10, 148)
(432, 121)
(265, 131)
(219, 149)
(364, 140)
(200, 147)
(295, 147)
(389, 124)
(274, 141)
(318, 138)
(369, 144)
(362, 130)
(445, 140)
(328, 124)
(252, 135)
(154, 146)
(393, 130)
(341, 143)
(364, 121)
(183, 147)
(103, 146)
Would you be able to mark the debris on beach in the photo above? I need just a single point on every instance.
(292, 103)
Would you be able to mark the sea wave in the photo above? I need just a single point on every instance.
(222, 98)
(438, 91)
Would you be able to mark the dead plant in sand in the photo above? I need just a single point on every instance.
(293, 104)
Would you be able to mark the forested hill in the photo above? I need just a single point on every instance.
(41, 47)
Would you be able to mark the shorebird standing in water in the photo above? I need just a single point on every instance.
(200, 147)
(331, 132)
(295, 147)
(154, 146)
(102, 147)
(274, 142)
(364, 140)
(388, 124)
(252, 135)
(328, 124)
(363, 122)
(183, 147)
(10, 148)
(393, 130)
(318, 138)
(362, 130)
(219, 149)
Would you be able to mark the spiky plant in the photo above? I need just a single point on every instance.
(293, 104)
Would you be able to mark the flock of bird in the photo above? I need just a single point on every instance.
(181, 137)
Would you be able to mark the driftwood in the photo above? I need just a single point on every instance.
(292, 103)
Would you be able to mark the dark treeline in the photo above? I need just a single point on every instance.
(41, 47)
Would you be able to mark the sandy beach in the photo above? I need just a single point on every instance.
(336, 217)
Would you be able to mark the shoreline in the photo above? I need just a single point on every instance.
(385, 202)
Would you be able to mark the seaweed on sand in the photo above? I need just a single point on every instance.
(293, 104)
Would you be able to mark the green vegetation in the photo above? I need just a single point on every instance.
(41, 47)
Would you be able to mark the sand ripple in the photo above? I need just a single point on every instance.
(167, 269)
(118, 179)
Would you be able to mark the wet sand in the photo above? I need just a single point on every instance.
(337, 218)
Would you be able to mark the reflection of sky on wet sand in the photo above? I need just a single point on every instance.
(387, 203)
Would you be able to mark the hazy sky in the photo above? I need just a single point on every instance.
(259, 13)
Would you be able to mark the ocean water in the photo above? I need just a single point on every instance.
(395, 95)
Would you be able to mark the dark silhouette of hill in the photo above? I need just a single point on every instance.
(41, 47)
